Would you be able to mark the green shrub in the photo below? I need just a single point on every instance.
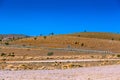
(50, 53)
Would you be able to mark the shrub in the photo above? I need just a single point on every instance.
(50, 53)
(23, 45)
(112, 38)
(11, 54)
(118, 55)
(79, 35)
(76, 42)
(44, 37)
(35, 38)
(3, 54)
(82, 44)
(68, 46)
(6, 43)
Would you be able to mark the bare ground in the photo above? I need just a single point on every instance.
(91, 73)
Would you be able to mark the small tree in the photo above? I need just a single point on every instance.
(52, 33)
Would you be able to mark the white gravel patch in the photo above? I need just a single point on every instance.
(91, 73)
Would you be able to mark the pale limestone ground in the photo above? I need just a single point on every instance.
(91, 73)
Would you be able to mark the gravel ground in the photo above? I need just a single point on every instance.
(91, 73)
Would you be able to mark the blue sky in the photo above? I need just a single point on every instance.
(34, 17)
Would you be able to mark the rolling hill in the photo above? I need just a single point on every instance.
(87, 40)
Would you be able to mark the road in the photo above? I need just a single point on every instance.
(68, 60)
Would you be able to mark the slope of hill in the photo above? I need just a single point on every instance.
(99, 35)
(99, 41)
(12, 36)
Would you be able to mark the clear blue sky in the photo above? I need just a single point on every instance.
(34, 17)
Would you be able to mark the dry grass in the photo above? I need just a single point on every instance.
(98, 35)
(63, 41)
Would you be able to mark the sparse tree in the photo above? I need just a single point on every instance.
(52, 34)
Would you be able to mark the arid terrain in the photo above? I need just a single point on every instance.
(91, 73)
(82, 53)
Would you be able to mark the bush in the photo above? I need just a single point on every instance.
(35, 38)
(3, 54)
(82, 44)
(11, 54)
(79, 35)
(112, 38)
(50, 53)
(118, 55)
(76, 42)
(44, 37)
(6, 43)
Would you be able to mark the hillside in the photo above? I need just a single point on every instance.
(94, 41)
(6, 37)
(98, 35)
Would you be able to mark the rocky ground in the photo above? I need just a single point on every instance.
(92, 73)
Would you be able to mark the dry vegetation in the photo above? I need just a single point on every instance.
(99, 41)
(44, 48)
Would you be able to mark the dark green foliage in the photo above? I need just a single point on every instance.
(50, 53)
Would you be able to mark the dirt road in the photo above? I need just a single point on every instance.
(91, 73)
(68, 60)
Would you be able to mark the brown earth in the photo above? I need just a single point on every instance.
(45, 48)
